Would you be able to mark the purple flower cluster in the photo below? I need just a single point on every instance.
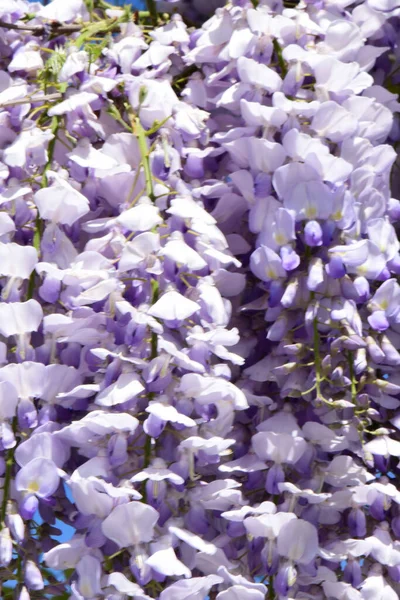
(200, 307)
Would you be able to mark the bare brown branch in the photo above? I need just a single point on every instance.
(58, 28)
(31, 99)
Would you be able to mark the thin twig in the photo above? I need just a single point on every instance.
(41, 29)
(31, 99)
(54, 28)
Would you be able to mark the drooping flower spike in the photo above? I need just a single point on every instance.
(199, 322)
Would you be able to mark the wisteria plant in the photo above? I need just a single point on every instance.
(200, 306)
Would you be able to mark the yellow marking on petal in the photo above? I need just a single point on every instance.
(156, 486)
(33, 487)
(299, 74)
(85, 589)
(139, 561)
(292, 577)
(280, 239)
(270, 273)
(311, 212)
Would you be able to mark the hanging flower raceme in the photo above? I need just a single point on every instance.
(199, 318)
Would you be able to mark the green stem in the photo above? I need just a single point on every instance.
(55, 124)
(90, 8)
(147, 451)
(141, 136)
(37, 236)
(19, 570)
(157, 125)
(281, 62)
(141, 133)
(317, 359)
(352, 378)
(152, 8)
(155, 292)
(6, 487)
(7, 479)
(179, 81)
(117, 553)
(271, 588)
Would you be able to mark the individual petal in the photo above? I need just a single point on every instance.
(267, 525)
(123, 585)
(158, 472)
(86, 156)
(309, 495)
(278, 447)
(8, 400)
(187, 209)
(239, 592)
(383, 446)
(166, 563)
(266, 264)
(32, 576)
(193, 540)
(256, 114)
(239, 514)
(18, 318)
(27, 58)
(89, 574)
(298, 541)
(166, 412)
(16, 260)
(378, 320)
(209, 390)
(124, 389)
(140, 218)
(73, 102)
(137, 252)
(313, 234)
(130, 524)
(179, 252)
(151, 109)
(301, 189)
(7, 225)
(6, 547)
(387, 298)
(196, 588)
(285, 579)
(61, 203)
(76, 62)
(40, 477)
(250, 71)
(334, 122)
(172, 306)
(42, 445)
(382, 233)
(362, 257)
